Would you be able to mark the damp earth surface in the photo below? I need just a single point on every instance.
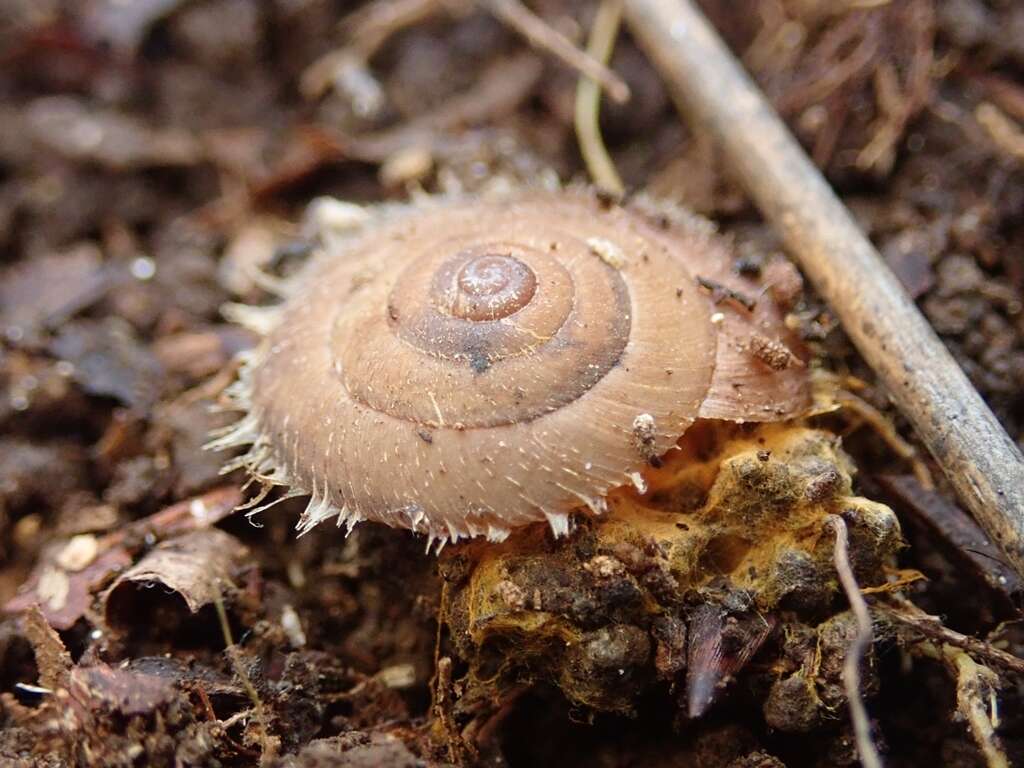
(159, 166)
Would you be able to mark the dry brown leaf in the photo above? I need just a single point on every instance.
(196, 566)
(52, 658)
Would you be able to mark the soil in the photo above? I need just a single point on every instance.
(156, 160)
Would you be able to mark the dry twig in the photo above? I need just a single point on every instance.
(975, 698)
(501, 87)
(975, 684)
(541, 35)
(898, 103)
(709, 85)
(367, 29)
(372, 25)
(909, 615)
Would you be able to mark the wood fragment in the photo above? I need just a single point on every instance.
(545, 37)
(956, 425)
(954, 532)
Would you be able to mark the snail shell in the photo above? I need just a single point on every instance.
(460, 368)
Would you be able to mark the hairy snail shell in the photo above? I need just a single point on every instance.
(460, 368)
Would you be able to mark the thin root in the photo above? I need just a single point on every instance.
(885, 430)
(976, 701)
(976, 684)
(268, 743)
(855, 654)
(588, 101)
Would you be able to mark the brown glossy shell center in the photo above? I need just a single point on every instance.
(483, 286)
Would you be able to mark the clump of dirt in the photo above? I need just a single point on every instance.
(674, 589)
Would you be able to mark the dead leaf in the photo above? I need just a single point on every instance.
(52, 658)
(197, 567)
(63, 582)
(41, 293)
(62, 597)
(120, 690)
(110, 361)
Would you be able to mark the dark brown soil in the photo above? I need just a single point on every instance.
(151, 158)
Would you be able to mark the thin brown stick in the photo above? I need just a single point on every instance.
(541, 35)
(869, 757)
(956, 425)
(909, 615)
